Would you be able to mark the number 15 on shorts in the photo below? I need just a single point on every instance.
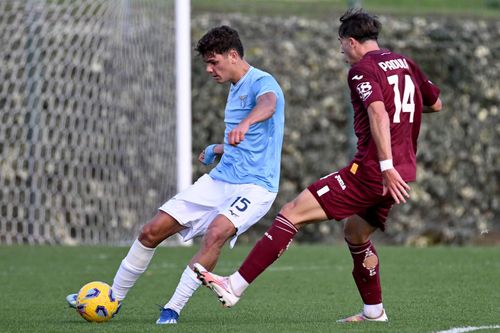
(241, 204)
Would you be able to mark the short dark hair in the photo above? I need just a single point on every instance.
(220, 40)
(359, 25)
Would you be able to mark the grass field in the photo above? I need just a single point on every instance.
(425, 290)
(332, 8)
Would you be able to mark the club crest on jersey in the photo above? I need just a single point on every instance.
(243, 100)
(364, 90)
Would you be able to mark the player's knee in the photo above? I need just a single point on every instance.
(288, 207)
(354, 235)
(158, 229)
(288, 211)
(355, 238)
(150, 235)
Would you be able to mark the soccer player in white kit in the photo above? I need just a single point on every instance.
(237, 193)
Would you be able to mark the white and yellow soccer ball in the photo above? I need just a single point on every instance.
(96, 302)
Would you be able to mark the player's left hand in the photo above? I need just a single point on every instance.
(237, 134)
(207, 156)
(395, 185)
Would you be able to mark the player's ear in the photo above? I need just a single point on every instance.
(233, 55)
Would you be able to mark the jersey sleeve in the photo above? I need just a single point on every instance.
(364, 84)
(430, 92)
(264, 85)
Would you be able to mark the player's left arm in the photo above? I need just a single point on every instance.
(208, 155)
(436, 107)
(430, 92)
(381, 134)
(263, 110)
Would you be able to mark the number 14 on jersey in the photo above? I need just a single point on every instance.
(405, 104)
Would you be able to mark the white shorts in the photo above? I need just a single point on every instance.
(198, 205)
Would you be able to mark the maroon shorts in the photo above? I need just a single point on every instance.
(342, 194)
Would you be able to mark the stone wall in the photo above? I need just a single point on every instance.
(456, 197)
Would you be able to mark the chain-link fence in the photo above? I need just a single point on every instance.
(87, 119)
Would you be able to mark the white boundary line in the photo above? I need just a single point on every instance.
(468, 329)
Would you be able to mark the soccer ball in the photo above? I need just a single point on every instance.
(96, 302)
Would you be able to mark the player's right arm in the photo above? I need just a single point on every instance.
(263, 110)
(381, 135)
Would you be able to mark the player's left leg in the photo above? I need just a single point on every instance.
(219, 231)
(366, 274)
(244, 205)
(304, 209)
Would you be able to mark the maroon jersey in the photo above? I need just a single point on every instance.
(399, 83)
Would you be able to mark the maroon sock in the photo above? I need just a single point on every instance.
(274, 242)
(366, 272)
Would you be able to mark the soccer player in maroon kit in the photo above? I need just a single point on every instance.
(388, 94)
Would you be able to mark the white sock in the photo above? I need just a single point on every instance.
(185, 289)
(373, 311)
(237, 283)
(131, 268)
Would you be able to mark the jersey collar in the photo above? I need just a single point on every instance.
(240, 81)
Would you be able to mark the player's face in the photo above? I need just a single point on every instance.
(346, 48)
(219, 66)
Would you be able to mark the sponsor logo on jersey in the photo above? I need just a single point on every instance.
(364, 90)
(357, 77)
(393, 64)
(340, 181)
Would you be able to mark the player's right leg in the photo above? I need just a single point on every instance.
(71, 300)
(140, 254)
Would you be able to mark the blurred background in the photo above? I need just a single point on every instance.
(88, 123)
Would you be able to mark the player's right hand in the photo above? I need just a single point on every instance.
(207, 156)
(395, 185)
(237, 134)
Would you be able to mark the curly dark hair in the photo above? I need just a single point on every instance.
(220, 40)
(359, 25)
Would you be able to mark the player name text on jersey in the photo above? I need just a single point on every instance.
(393, 64)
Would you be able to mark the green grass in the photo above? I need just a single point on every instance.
(333, 8)
(425, 290)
